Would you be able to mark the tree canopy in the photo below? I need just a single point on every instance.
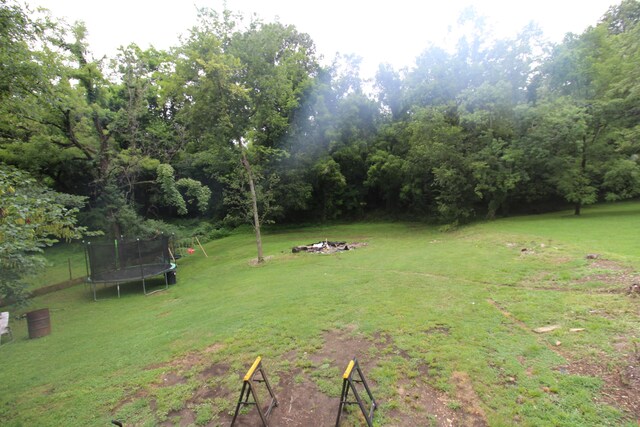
(486, 129)
(32, 217)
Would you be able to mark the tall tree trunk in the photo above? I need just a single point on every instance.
(583, 162)
(254, 201)
(583, 170)
(576, 208)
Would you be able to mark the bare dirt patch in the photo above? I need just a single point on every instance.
(300, 400)
(191, 367)
(438, 329)
(621, 381)
(308, 392)
(181, 363)
(172, 378)
(215, 370)
(254, 261)
(341, 346)
(606, 264)
(214, 348)
(419, 403)
(614, 283)
(423, 405)
(182, 418)
(615, 277)
(302, 403)
(621, 378)
(473, 415)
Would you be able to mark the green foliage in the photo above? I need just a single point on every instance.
(32, 217)
(386, 174)
(492, 126)
(170, 194)
(439, 171)
(170, 191)
(278, 62)
(622, 180)
(329, 187)
(237, 197)
(195, 192)
(575, 187)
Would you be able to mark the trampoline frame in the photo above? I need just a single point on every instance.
(131, 273)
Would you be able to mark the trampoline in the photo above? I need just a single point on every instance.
(123, 261)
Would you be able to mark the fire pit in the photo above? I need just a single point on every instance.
(327, 247)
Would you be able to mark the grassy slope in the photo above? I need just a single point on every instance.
(60, 259)
(409, 279)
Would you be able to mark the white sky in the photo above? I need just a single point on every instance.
(395, 31)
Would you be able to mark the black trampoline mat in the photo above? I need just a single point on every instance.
(131, 274)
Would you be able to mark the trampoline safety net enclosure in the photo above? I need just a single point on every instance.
(124, 261)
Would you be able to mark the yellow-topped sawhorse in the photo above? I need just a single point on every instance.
(249, 390)
(349, 382)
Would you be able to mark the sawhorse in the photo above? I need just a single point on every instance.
(349, 383)
(248, 389)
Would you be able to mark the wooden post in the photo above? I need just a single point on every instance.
(199, 244)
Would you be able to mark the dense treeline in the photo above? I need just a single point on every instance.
(489, 128)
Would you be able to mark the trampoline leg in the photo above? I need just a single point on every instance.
(118, 286)
(95, 298)
(144, 286)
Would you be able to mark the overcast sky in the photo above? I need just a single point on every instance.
(393, 31)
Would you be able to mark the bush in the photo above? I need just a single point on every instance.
(219, 233)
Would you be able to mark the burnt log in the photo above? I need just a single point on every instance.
(324, 247)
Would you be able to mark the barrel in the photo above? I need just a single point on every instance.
(171, 277)
(38, 323)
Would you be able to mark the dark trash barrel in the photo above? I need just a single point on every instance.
(171, 277)
(38, 323)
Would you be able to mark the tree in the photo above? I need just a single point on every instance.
(278, 71)
(202, 90)
(592, 77)
(562, 158)
(329, 185)
(170, 194)
(144, 132)
(481, 129)
(351, 139)
(486, 115)
(386, 178)
(254, 206)
(32, 217)
(390, 90)
(250, 196)
(66, 121)
(30, 90)
(278, 65)
(440, 178)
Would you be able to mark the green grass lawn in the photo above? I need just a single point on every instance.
(436, 307)
(64, 262)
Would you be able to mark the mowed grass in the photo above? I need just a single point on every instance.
(103, 359)
(63, 262)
